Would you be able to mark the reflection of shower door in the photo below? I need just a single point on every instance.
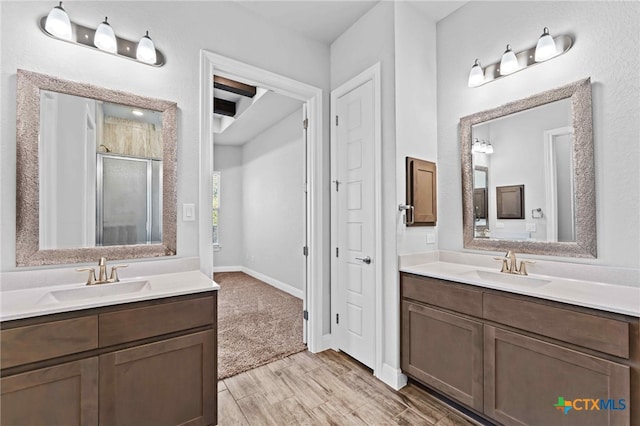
(128, 200)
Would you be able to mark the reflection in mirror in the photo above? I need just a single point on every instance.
(543, 143)
(480, 199)
(96, 173)
(100, 173)
(531, 148)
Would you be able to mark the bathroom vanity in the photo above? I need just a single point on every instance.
(517, 358)
(141, 357)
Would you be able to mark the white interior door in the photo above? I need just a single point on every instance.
(355, 303)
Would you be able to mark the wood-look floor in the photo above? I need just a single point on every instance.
(328, 388)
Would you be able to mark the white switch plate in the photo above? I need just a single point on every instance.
(499, 225)
(531, 227)
(188, 212)
(431, 238)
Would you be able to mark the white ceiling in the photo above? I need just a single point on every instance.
(270, 109)
(325, 20)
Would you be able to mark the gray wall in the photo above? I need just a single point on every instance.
(262, 203)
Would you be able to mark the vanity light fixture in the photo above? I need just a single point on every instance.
(488, 148)
(481, 147)
(146, 51)
(57, 25)
(546, 48)
(137, 112)
(105, 38)
(476, 75)
(509, 62)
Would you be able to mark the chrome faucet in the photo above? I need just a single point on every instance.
(102, 273)
(510, 264)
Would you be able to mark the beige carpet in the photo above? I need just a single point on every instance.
(257, 323)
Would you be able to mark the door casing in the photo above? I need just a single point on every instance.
(212, 63)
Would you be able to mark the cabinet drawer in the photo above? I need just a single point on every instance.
(443, 294)
(32, 343)
(601, 334)
(140, 323)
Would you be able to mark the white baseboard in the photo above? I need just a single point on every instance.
(393, 377)
(296, 292)
(227, 269)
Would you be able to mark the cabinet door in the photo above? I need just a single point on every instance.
(164, 383)
(422, 191)
(443, 351)
(527, 381)
(65, 394)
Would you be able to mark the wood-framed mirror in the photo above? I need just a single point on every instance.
(545, 141)
(96, 173)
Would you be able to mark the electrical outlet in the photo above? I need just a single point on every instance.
(531, 227)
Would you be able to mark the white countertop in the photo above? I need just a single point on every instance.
(607, 297)
(37, 301)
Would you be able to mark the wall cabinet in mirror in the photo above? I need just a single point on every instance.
(544, 142)
(96, 173)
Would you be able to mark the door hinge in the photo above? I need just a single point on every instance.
(337, 318)
(305, 123)
(305, 314)
(336, 120)
(305, 250)
(337, 252)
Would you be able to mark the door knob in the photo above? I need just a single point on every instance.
(366, 260)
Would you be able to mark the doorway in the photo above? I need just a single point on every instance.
(311, 98)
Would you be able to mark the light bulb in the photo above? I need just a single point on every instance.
(105, 39)
(476, 75)
(476, 145)
(509, 62)
(483, 147)
(489, 148)
(58, 23)
(546, 47)
(146, 51)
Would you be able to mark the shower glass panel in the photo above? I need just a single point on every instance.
(128, 200)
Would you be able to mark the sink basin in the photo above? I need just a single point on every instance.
(502, 278)
(97, 290)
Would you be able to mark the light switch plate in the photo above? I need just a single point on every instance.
(188, 212)
(499, 225)
(431, 238)
(531, 227)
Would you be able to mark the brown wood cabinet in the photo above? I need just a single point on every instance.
(512, 360)
(422, 192)
(65, 394)
(143, 363)
(443, 350)
(524, 377)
